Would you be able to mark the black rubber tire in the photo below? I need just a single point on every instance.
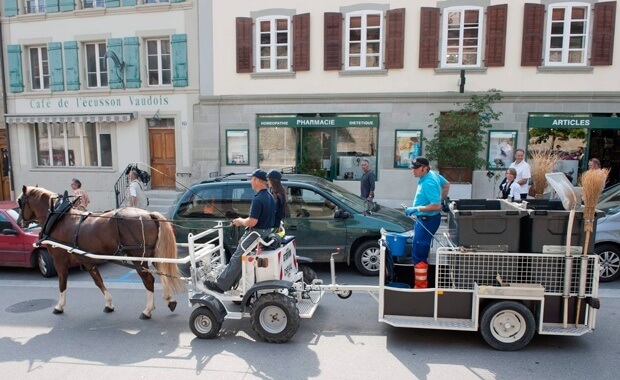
(275, 317)
(367, 258)
(203, 324)
(507, 325)
(45, 263)
(609, 260)
(309, 274)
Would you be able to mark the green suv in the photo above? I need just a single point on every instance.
(321, 215)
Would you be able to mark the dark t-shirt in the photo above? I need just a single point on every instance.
(280, 202)
(263, 209)
(367, 184)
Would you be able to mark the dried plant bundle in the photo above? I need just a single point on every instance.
(592, 183)
(542, 163)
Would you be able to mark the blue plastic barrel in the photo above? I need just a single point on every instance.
(400, 285)
(397, 243)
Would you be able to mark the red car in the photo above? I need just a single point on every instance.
(16, 248)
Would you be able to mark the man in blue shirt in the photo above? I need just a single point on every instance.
(432, 190)
(258, 224)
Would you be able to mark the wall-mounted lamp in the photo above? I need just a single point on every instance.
(120, 65)
(153, 120)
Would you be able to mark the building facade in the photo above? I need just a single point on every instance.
(319, 86)
(95, 85)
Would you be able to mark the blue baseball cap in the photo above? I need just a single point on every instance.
(260, 174)
(274, 174)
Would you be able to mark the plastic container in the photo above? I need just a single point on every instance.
(400, 285)
(484, 222)
(397, 243)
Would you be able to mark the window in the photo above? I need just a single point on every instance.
(39, 68)
(461, 43)
(204, 203)
(306, 203)
(155, 1)
(35, 6)
(158, 62)
(274, 44)
(72, 144)
(96, 67)
(363, 40)
(94, 4)
(567, 34)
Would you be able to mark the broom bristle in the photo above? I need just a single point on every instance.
(542, 163)
(592, 183)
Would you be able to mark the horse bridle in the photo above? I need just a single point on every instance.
(21, 201)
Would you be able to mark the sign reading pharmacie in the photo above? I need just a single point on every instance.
(97, 104)
(318, 122)
(570, 121)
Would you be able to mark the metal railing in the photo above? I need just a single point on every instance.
(120, 187)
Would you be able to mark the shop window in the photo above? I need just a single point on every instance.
(39, 68)
(96, 66)
(276, 148)
(461, 45)
(567, 34)
(353, 146)
(158, 58)
(72, 144)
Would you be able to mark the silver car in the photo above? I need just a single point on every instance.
(607, 243)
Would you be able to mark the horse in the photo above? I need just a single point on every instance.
(127, 231)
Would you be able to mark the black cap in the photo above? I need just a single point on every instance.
(274, 174)
(419, 161)
(260, 174)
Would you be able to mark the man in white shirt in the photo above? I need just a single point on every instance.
(523, 171)
(135, 196)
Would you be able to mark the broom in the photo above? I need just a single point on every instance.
(592, 183)
(542, 163)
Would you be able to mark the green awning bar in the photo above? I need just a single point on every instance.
(561, 121)
(317, 122)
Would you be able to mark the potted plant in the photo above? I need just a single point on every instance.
(460, 137)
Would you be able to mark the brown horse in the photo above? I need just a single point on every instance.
(129, 231)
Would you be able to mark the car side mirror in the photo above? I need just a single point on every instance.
(9, 231)
(341, 214)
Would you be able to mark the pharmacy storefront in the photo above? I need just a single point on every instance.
(55, 139)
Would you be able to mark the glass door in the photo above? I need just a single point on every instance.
(315, 151)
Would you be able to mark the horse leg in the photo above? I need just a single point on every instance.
(61, 263)
(96, 276)
(149, 283)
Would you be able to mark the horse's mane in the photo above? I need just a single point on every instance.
(41, 192)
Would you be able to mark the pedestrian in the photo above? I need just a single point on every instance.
(509, 188)
(524, 172)
(367, 184)
(431, 192)
(594, 163)
(135, 196)
(258, 225)
(81, 200)
(274, 179)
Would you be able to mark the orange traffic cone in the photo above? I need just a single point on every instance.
(421, 275)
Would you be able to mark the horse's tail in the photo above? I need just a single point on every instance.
(166, 247)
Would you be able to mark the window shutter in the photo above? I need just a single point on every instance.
(395, 42)
(72, 74)
(332, 42)
(54, 54)
(67, 5)
(244, 45)
(603, 34)
(10, 8)
(179, 60)
(129, 3)
(301, 42)
(533, 30)
(177, 1)
(115, 74)
(51, 6)
(112, 3)
(495, 51)
(131, 52)
(429, 37)
(15, 68)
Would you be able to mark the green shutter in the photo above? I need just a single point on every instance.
(15, 68)
(131, 49)
(10, 8)
(112, 3)
(129, 3)
(51, 6)
(115, 72)
(54, 54)
(179, 60)
(72, 73)
(67, 5)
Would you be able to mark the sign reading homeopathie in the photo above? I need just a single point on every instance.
(82, 104)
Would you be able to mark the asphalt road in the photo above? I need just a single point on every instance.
(343, 340)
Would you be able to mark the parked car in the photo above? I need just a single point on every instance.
(321, 215)
(16, 248)
(607, 243)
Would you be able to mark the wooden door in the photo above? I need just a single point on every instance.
(163, 158)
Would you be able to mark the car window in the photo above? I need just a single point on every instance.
(207, 202)
(346, 197)
(241, 195)
(306, 203)
(609, 199)
(4, 223)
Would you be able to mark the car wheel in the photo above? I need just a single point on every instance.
(45, 263)
(609, 260)
(367, 258)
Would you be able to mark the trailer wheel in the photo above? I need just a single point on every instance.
(309, 274)
(507, 325)
(203, 324)
(275, 317)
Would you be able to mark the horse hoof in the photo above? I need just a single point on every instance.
(108, 309)
(172, 305)
(144, 316)
(56, 311)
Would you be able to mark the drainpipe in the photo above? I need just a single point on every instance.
(4, 105)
